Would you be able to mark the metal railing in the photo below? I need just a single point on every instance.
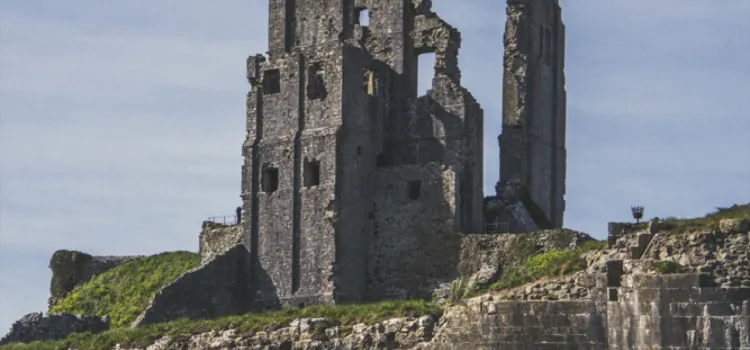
(496, 226)
(224, 220)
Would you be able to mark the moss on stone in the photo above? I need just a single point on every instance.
(336, 315)
(666, 267)
(123, 292)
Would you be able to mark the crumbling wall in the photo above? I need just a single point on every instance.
(414, 240)
(71, 269)
(216, 238)
(532, 144)
(214, 289)
(37, 327)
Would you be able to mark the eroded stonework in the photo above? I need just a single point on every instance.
(349, 175)
(532, 143)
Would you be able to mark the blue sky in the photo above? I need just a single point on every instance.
(121, 123)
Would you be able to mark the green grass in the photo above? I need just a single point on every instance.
(555, 263)
(123, 292)
(708, 222)
(340, 315)
(666, 267)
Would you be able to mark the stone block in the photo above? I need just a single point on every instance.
(733, 226)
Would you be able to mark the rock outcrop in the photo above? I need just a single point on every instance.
(36, 326)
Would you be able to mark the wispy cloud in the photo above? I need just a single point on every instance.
(122, 123)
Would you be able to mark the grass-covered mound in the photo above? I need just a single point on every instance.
(341, 315)
(123, 292)
(555, 263)
(708, 222)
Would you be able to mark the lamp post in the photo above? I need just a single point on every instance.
(637, 212)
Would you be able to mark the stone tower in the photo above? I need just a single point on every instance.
(348, 174)
(532, 143)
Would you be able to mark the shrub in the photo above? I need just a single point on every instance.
(666, 267)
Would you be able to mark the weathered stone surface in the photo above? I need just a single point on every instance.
(734, 226)
(532, 143)
(37, 327)
(71, 269)
(217, 238)
(214, 289)
(343, 159)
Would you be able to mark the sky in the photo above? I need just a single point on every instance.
(121, 122)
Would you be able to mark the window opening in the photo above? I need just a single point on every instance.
(371, 82)
(363, 17)
(272, 82)
(414, 189)
(312, 172)
(359, 150)
(316, 88)
(426, 69)
(270, 179)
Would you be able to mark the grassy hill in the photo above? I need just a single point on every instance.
(124, 291)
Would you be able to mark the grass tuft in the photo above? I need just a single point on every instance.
(708, 222)
(337, 315)
(558, 262)
(123, 292)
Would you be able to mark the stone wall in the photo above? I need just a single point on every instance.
(37, 327)
(71, 269)
(217, 238)
(414, 240)
(488, 324)
(214, 289)
(677, 312)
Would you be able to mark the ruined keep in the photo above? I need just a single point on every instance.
(346, 167)
(340, 149)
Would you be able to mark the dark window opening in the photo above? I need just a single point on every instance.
(382, 160)
(270, 179)
(363, 17)
(426, 71)
(414, 189)
(312, 172)
(271, 82)
(290, 24)
(359, 150)
(316, 87)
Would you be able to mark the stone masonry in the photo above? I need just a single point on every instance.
(338, 143)
(532, 143)
(347, 171)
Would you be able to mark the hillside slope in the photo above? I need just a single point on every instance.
(123, 292)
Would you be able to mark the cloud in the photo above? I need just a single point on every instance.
(121, 124)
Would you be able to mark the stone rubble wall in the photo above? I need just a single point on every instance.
(37, 327)
(216, 238)
(71, 269)
(214, 289)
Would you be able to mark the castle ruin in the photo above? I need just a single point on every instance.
(347, 170)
